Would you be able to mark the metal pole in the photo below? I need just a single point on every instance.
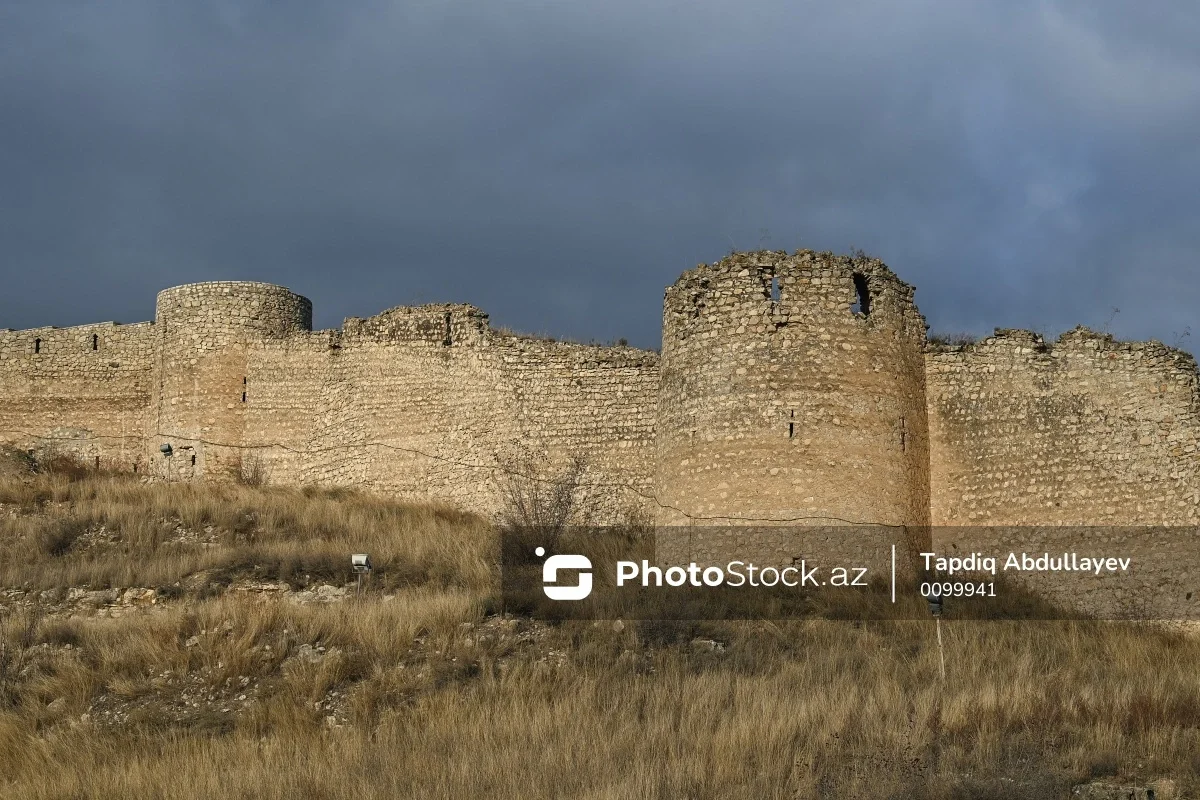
(941, 653)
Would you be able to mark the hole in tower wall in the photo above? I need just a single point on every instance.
(791, 423)
(37, 345)
(193, 460)
(903, 436)
(862, 291)
(95, 342)
(447, 340)
(775, 289)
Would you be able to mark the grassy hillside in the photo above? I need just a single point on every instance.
(203, 641)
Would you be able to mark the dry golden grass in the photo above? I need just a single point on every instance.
(420, 693)
(274, 534)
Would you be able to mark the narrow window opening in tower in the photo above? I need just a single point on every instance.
(95, 342)
(97, 462)
(862, 303)
(37, 345)
(243, 388)
(903, 436)
(774, 288)
(791, 423)
(135, 468)
(193, 460)
(243, 397)
(447, 340)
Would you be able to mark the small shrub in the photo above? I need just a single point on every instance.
(57, 539)
(252, 470)
(1104, 765)
(17, 635)
(537, 505)
(14, 461)
(61, 632)
(953, 339)
(69, 465)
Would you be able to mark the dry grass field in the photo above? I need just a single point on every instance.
(186, 642)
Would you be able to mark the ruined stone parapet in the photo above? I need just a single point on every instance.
(217, 313)
(440, 324)
(584, 356)
(1085, 430)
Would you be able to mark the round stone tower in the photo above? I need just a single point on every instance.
(204, 331)
(792, 391)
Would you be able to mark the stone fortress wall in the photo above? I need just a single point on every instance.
(792, 390)
(1082, 431)
(89, 387)
(425, 403)
(1084, 444)
(428, 402)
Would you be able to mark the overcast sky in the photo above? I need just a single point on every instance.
(1024, 164)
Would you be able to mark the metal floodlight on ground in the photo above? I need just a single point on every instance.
(361, 562)
(933, 598)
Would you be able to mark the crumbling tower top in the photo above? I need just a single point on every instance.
(233, 309)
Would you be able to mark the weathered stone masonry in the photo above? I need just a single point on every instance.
(791, 389)
(1082, 431)
(415, 402)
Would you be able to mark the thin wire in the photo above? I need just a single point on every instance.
(453, 462)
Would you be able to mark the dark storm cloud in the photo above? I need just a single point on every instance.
(1024, 164)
